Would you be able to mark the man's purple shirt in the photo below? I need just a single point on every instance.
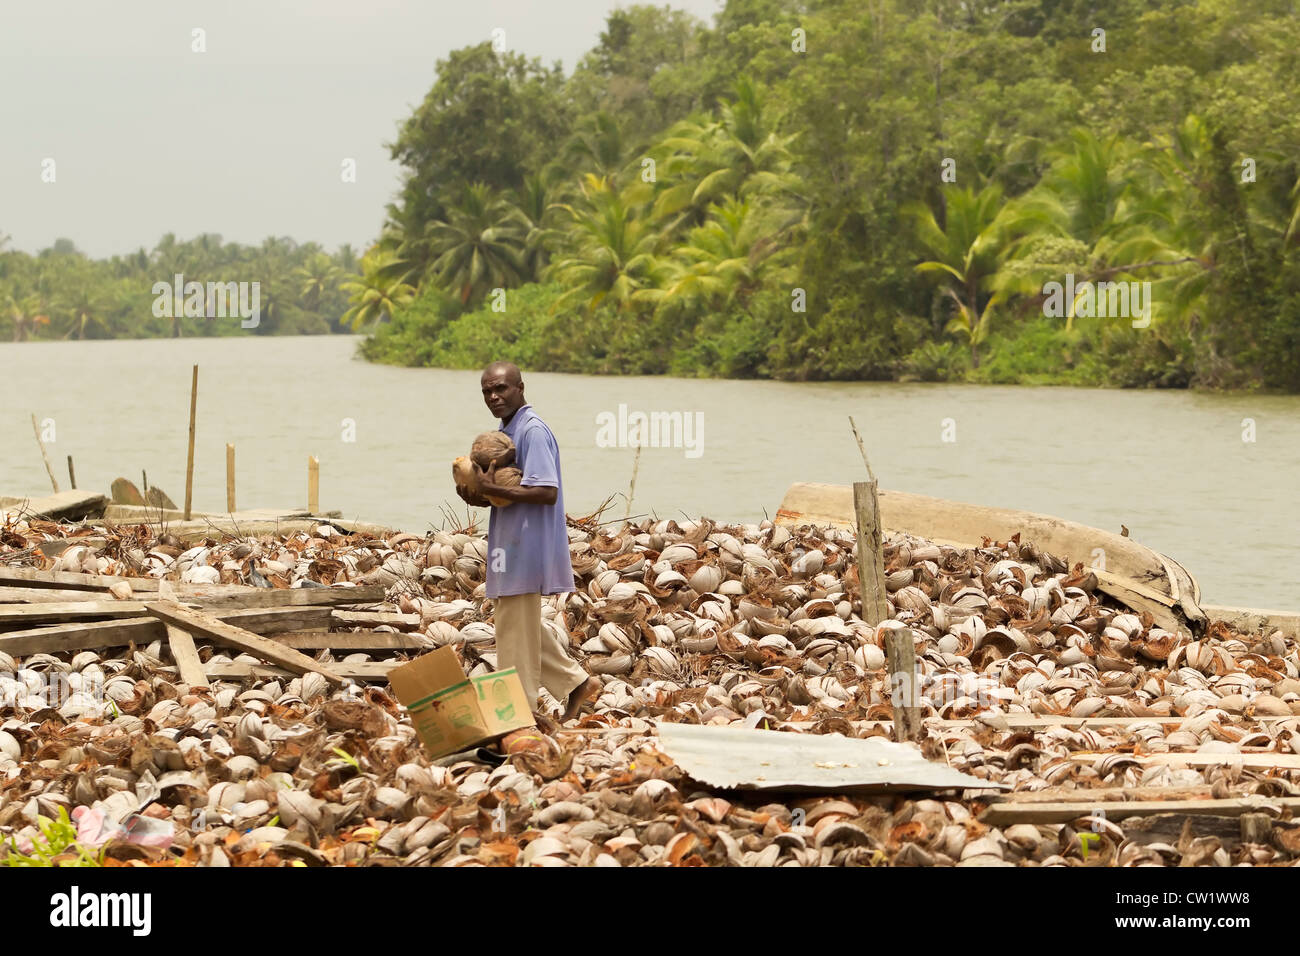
(528, 544)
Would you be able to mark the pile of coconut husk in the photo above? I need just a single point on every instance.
(1118, 742)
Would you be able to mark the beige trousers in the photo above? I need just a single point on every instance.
(534, 651)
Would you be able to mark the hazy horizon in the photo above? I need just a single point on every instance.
(247, 139)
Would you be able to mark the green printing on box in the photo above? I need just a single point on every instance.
(502, 705)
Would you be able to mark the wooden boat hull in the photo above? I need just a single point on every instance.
(1133, 574)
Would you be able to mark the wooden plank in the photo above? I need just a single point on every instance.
(68, 580)
(82, 636)
(1269, 760)
(26, 595)
(1100, 794)
(286, 597)
(1004, 814)
(201, 622)
(71, 505)
(25, 615)
(186, 657)
(277, 620)
(238, 670)
(353, 641)
(375, 618)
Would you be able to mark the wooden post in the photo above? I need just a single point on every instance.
(900, 653)
(871, 555)
(230, 478)
(189, 463)
(72, 474)
(313, 484)
(1256, 827)
(44, 457)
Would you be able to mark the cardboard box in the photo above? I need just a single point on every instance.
(453, 712)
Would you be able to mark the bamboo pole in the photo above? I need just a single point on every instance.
(72, 474)
(44, 457)
(189, 463)
(900, 651)
(230, 478)
(313, 484)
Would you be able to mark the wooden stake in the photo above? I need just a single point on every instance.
(230, 478)
(900, 650)
(636, 463)
(871, 553)
(189, 463)
(44, 457)
(72, 474)
(313, 484)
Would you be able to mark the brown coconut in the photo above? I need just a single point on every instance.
(462, 471)
(493, 446)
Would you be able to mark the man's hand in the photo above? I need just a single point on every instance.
(478, 501)
(487, 480)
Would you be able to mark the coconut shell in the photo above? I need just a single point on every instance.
(493, 446)
(462, 472)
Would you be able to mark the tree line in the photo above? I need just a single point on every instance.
(834, 189)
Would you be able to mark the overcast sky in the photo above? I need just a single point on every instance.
(246, 139)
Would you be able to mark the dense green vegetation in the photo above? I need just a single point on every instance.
(62, 293)
(808, 189)
(765, 196)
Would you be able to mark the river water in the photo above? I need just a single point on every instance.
(1171, 465)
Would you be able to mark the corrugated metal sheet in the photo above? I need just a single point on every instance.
(737, 757)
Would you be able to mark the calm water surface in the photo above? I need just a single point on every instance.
(1172, 466)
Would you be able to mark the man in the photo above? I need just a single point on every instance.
(528, 547)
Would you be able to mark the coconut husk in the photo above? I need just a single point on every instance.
(493, 446)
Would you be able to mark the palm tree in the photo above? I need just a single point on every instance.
(26, 314)
(479, 246)
(377, 294)
(737, 154)
(722, 260)
(316, 277)
(609, 247)
(977, 235)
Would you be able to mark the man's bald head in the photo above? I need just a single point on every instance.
(508, 369)
(503, 389)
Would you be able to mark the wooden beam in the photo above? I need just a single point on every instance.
(1005, 814)
(277, 620)
(350, 641)
(186, 657)
(238, 670)
(374, 619)
(84, 635)
(203, 623)
(24, 595)
(210, 594)
(81, 636)
(1268, 760)
(24, 615)
(871, 555)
